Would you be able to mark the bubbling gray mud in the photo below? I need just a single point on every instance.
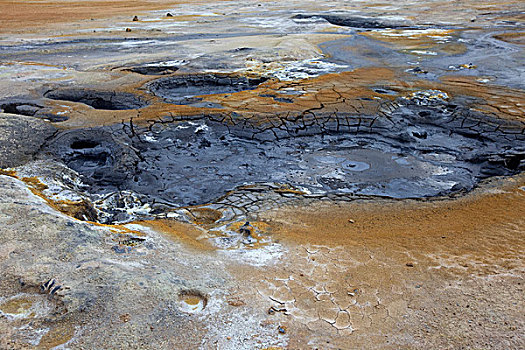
(417, 150)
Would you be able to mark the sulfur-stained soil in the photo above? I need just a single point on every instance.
(262, 175)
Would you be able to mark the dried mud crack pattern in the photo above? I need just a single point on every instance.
(262, 175)
(419, 146)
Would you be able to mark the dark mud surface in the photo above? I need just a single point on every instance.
(182, 89)
(29, 108)
(108, 100)
(416, 148)
(153, 69)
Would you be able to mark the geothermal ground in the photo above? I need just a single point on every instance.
(262, 174)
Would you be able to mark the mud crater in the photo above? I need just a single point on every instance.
(30, 109)
(192, 300)
(185, 89)
(105, 100)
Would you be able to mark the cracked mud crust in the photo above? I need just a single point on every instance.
(262, 175)
(392, 274)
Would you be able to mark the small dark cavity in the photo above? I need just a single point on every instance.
(417, 70)
(283, 99)
(27, 109)
(83, 144)
(385, 91)
(30, 109)
(514, 161)
(278, 99)
(104, 100)
(182, 89)
(240, 49)
(51, 117)
(420, 134)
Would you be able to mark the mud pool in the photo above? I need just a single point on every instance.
(262, 175)
(195, 162)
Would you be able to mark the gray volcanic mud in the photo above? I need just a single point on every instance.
(182, 89)
(158, 68)
(108, 100)
(30, 108)
(413, 150)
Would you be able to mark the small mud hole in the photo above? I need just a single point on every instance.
(192, 301)
(183, 89)
(105, 100)
(25, 306)
(82, 144)
(27, 109)
(30, 109)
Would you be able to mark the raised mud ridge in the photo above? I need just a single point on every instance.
(354, 21)
(413, 148)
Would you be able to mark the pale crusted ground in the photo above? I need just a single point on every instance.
(372, 273)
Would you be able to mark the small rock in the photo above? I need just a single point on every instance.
(169, 15)
(272, 310)
(246, 229)
(420, 134)
(125, 317)
(128, 30)
(417, 70)
(235, 302)
(135, 19)
(409, 264)
(351, 221)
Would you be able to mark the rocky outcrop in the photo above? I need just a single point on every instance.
(21, 137)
